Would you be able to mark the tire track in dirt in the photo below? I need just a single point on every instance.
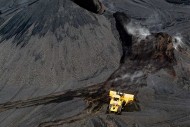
(89, 94)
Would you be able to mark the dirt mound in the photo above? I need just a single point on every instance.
(55, 40)
(156, 48)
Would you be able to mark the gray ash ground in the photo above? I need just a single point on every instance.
(58, 61)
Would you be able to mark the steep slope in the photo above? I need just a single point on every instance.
(53, 44)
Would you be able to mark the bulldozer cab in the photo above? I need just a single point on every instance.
(116, 98)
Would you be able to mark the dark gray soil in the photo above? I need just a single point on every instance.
(59, 59)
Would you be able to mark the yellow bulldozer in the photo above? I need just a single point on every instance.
(118, 101)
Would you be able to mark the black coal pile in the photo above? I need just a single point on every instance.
(60, 58)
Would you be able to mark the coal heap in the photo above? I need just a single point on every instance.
(60, 58)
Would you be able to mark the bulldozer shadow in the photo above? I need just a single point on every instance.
(131, 107)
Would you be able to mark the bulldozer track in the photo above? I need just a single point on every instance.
(85, 93)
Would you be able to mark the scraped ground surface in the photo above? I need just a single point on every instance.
(50, 50)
